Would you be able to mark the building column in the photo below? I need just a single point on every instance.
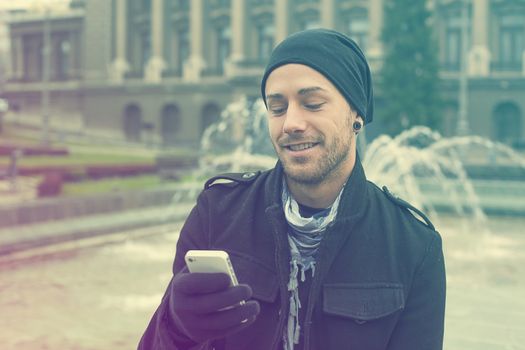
(281, 14)
(195, 64)
(375, 17)
(239, 31)
(120, 65)
(328, 14)
(156, 63)
(238, 21)
(479, 54)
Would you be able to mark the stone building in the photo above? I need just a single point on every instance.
(162, 70)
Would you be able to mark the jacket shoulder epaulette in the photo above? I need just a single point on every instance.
(232, 179)
(404, 204)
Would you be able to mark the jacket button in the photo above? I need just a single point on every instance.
(248, 175)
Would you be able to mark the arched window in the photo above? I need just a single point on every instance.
(132, 122)
(211, 113)
(507, 122)
(170, 124)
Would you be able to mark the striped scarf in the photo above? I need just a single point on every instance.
(304, 239)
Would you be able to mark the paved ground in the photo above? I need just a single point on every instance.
(101, 294)
(93, 297)
(486, 284)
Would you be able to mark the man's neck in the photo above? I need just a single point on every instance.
(320, 195)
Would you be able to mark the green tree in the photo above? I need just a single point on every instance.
(409, 78)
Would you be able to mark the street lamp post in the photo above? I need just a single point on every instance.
(463, 124)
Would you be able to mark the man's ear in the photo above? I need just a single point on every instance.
(357, 124)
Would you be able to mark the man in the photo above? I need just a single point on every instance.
(325, 259)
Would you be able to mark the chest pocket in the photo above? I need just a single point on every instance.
(259, 277)
(363, 301)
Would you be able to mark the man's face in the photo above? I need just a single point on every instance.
(310, 124)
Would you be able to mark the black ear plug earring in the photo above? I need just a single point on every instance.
(357, 126)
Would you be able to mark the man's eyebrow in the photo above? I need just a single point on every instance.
(306, 91)
(302, 92)
(275, 96)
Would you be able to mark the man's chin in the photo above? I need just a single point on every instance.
(302, 175)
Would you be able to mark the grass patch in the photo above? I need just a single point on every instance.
(82, 159)
(111, 185)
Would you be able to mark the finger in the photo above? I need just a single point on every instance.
(226, 319)
(200, 283)
(207, 303)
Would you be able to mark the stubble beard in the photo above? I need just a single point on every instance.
(327, 166)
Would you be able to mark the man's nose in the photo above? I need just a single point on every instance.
(295, 120)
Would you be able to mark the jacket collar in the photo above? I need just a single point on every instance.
(354, 199)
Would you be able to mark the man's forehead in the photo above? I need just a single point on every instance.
(299, 78)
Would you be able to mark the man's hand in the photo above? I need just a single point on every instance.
(206, 307)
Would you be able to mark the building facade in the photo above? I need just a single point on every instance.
(163, 70)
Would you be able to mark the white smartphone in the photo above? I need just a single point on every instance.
(210, 261)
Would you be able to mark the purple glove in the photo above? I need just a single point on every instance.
(205, 307)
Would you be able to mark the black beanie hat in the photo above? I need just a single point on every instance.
(335, 56)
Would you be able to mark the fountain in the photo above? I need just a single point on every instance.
(238, 141)
(467, 176)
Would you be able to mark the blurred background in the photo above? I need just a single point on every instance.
(114, 112)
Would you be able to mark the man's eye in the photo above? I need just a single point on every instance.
(277, 110)
(314, 106)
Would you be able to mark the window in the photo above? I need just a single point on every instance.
(63, 59)
(223, 47)
(265, 40)
(146, 5)
(210, 114)
(183, 5)
(132, 122)
(170, 124)
(453, 49)
(358, 27)
(145, 45)
(507, 121)
(33, 57)
(183, 48)
(511, 41)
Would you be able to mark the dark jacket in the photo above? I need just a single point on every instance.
(379, 280)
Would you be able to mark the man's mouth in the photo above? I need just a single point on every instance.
(300, 146)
